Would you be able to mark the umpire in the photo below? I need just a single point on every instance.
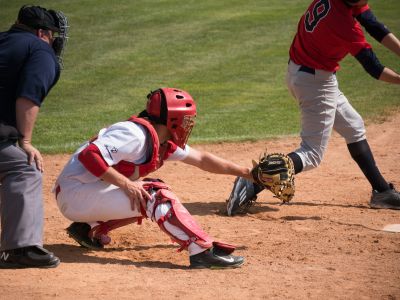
(30, 55)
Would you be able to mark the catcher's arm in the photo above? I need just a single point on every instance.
(215, 164)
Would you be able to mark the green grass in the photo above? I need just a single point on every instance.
(231, 56)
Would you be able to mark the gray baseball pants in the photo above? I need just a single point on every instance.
(323, 108)
(21, 205)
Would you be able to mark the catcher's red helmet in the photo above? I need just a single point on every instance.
(174, 108)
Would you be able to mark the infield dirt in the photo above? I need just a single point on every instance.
(327, 244)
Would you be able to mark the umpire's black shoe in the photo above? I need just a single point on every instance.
(28, 257)
(215, 259)
(80, 233)
(389, 199)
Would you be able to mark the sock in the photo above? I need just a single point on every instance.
(298, 164)
(361, 153)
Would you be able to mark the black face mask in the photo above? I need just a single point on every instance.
(60, 41)
(58, 46)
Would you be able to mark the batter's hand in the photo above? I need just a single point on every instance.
(137, 194)
(33, 155)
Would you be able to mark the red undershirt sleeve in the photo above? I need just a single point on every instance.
(93, 161)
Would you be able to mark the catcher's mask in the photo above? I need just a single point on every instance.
(37, 17)
(174, 108)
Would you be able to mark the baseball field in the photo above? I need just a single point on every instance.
(231, 56)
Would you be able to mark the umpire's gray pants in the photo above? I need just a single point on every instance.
(21, 203)
(323, 108)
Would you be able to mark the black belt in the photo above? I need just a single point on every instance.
(307, 70)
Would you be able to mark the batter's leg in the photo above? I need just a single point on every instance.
(317, 98)
(350, 125)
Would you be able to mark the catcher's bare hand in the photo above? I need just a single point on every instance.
(137, 194)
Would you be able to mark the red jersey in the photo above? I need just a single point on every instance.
(326, 33)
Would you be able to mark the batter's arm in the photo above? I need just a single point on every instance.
(391, 42)
(388, 75)
(379, 31)
(371, 64)
(215, 164)
(375, 28)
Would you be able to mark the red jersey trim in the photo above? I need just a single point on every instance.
(155, 161)
(92, 160)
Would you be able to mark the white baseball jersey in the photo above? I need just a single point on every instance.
(126, 141)
(84, 197)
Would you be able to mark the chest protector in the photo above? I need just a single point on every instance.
(159, 154)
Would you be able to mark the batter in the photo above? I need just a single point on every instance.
(326, 33)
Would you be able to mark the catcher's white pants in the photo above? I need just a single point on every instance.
(100, 201)
(323, 108)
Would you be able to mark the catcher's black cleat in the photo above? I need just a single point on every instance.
(389, 199)
(28, 257)
(80, 233)
(215, 258)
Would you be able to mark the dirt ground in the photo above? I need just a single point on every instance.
(327, 244)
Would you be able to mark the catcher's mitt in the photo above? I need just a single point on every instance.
(275, 172)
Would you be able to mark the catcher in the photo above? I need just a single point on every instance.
(102, 187)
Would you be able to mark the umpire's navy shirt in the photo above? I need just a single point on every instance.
(28, 68)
